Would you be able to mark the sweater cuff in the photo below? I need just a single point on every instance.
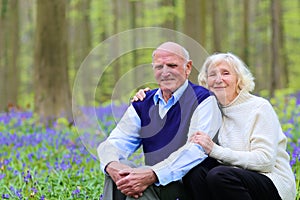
(215, 151)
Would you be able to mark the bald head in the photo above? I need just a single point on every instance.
(174, 48)
(171, 66)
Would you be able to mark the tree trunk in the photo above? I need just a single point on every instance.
(13, 73)
(285, 70)
(52, 91)
(275, 48)
(9, 45)
(115, 51)
(3, 8)
(81, 44)
(170, 22)
(216, 27)
(245, 35)
(194, 26)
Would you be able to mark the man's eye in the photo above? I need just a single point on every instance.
(172, 65)
(158, 67)
(211, 75)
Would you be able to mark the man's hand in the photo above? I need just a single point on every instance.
(135, 181)
(114, 168)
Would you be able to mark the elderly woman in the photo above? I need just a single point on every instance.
(248, 160)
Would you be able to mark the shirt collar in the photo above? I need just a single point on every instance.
(176, 95)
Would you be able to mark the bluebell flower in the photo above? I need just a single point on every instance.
(76, 192)
(33, 189)
(2, 176)
(5, 196)
(27, 177)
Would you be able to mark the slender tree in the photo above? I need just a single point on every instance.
(171, 20)
(52, 90)
(216, 26)
(116, 28)
(245, 35)
(13, 43)
(276, 60)
(3, 8)
(9, 53)
(133, 24)
(194, 25)
(81, 41)
(285, 69)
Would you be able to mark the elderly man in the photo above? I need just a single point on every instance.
(160, 124)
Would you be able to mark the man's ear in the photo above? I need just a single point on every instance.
(188, 69)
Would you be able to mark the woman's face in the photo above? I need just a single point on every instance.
(222, 80)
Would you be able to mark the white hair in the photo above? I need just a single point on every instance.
(245, 77)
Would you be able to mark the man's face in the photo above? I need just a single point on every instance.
(170, 70)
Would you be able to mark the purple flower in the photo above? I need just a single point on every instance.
(75, 192)
(27, 177)
(5, 196)
(33, 189)
(16, 192)
(12, 189)
(2, 176)
(30, 156)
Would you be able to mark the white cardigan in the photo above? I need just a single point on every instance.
(251, 138)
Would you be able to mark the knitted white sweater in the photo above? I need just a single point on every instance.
(251, 138)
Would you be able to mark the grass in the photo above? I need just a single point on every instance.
(39, 162)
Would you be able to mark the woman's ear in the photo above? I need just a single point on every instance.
(238, 88)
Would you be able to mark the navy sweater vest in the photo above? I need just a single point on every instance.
(161, 137)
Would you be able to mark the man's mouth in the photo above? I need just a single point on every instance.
(167, 80)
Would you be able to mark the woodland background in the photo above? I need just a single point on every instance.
(44, 42)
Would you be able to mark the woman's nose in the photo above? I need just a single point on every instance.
(219, 78)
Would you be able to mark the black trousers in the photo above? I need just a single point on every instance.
(211, 180)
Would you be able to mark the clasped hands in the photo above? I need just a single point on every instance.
(131, 181)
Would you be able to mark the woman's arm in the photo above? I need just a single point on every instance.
(256, 147)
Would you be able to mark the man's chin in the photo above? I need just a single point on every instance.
(166, 89)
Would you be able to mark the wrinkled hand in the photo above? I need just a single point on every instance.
(114, 168)
(203, 140)
(135, 181)
(140, 95)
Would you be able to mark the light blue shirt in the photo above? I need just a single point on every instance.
(124, 140)
(165, 106)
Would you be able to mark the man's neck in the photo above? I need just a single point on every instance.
(167, 95)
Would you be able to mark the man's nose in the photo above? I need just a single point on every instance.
(165, 70)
